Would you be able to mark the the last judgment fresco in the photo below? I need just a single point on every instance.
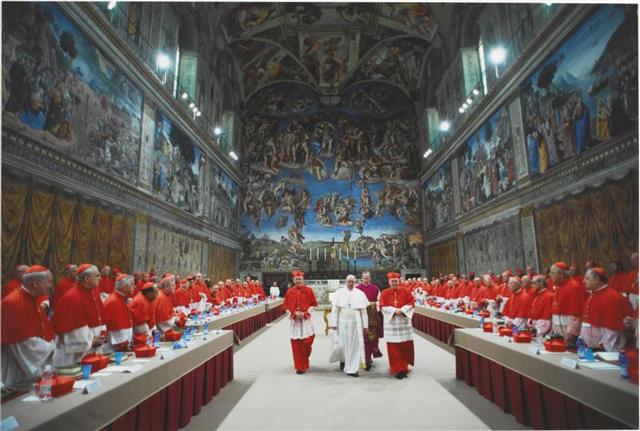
(327, 186)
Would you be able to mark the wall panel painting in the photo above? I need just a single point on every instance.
(586, 92)
(177, 166)
(487, 165)
(224, 200)
(61, 90)
(438, 197)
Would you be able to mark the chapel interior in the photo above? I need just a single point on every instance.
(175, 173)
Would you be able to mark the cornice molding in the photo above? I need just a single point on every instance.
(565, 21)
(93, 24)
(25, 157)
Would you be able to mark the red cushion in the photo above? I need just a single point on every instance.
(145, 352)
(61, 385)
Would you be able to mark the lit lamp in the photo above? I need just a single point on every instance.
(497, 56)
(162, 64)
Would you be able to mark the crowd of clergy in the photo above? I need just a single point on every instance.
(93, 310)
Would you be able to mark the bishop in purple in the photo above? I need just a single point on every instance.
(372, 292)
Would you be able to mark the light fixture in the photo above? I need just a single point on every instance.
(194, 109)
(469, 101)
(198, 114)
(163, 61)
(498, 55)
(549, 4)
(184, 95)
(465, 106)
(427, 153)
(475, 92)
(233, 155)
(445, 126)
(191, 105)
(461, 110)
(112, 4)
(217, 131)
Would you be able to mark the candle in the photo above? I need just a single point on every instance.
(310, 256)
(340, 253)
(325, 253)
(317, 254)
(347, 253)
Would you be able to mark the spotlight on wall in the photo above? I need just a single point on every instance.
(184, 95)
(217, 131)
(233, 155)
(465, 106)
(198, 113)
(469, 101)
(498, 55)
(111, 5)
(475, 92)
(461, 110)
(163, 61)
(427, 153)
(191, 105)
(445, 126)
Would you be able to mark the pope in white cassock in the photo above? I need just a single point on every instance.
(349, 319)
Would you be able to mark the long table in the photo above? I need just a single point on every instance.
(441, 324)
(538, 390)
(274, 309)
(163, 395)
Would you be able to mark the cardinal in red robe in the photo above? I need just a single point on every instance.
(27, 341)
(603, 313)
(164, 303)
(299, 303)
(141, 306)
(518, 307)
(78, 319)
(541, 306)
(118, 315)
(568, 300)
(65, 284)
(107, 283)
(15, 282)
(397, 310)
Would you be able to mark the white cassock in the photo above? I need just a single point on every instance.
(73, 345)
(274, 292)
(349, 315)
(22, 362)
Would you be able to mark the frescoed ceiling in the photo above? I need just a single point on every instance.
(331, 48)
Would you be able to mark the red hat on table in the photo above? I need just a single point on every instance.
(392, 275)
(297, 273)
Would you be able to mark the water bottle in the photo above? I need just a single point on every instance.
(46, 384)
(624, 365)
(149, 341)
(482, 322)
(581, 348)
(187, 335)
(206, 328)
(156, 338)
(515, 330)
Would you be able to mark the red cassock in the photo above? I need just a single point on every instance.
(631, 286)
(221, 295)
(199, 287)
(141, 311)
(518, 305)
(182, 298)
(618, 281)
(163, 307)
(541, 305)
(11, 286)
(62, 287)
(300, 298)
(31, 320)
(401, 352)
(77, 308)
(139, 284)
(107, 285)
(568, 299)
(492, 292)
(477, 293)
(606, 308)
(117, 316)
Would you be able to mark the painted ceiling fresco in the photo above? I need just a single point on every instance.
(329, 46)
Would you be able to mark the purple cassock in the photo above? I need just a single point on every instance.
(375, 323)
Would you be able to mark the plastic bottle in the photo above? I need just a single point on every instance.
(156, 338)
(624, 365)
(46, 384)
(481, 322)
(206, 328)
(581, 348)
